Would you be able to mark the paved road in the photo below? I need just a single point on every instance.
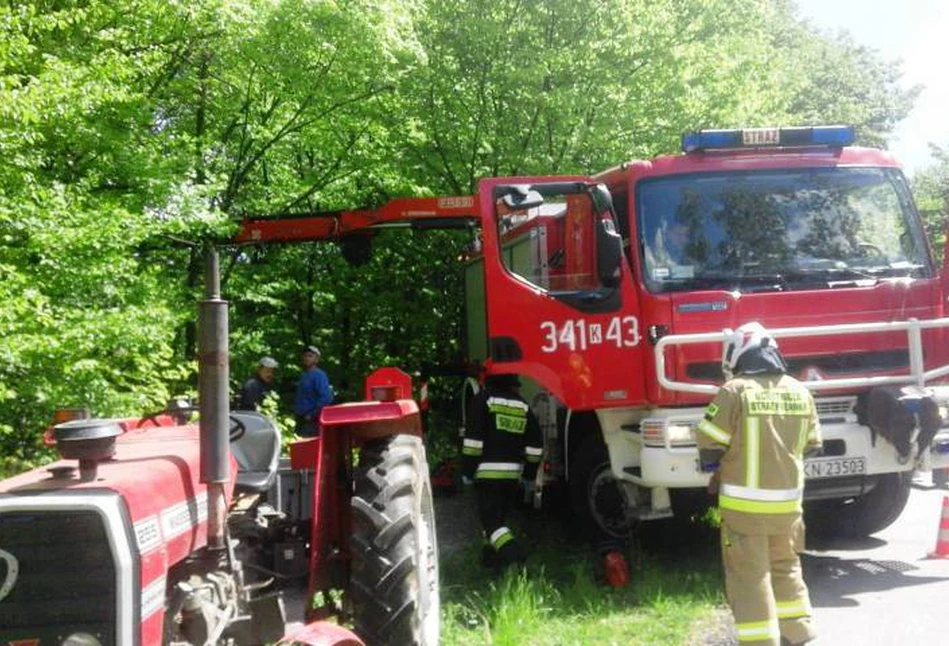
(882, 590)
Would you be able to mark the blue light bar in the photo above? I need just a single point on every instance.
(704, 139)
(831, 136)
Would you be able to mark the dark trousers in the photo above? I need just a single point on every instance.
(494, 501)
(307, 426)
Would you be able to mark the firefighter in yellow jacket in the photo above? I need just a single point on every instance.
(755, 435)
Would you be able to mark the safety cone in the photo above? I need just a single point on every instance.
(942, 536)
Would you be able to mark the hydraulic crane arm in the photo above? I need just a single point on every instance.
(418, 212)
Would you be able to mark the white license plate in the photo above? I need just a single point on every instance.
(834, 467)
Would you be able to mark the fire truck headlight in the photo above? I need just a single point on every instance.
(680, 434)
(81, 639)
(657, 431)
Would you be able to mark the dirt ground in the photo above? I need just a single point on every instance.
(456, 521)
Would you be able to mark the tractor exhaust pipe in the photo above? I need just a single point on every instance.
(213, 382)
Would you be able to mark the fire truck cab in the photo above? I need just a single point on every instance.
(610, 295)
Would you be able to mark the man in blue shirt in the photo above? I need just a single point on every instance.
(313, 393)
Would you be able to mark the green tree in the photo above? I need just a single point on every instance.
(829, 78)
(557, 86)
(84, 320)
(128, 126)
(931, 191)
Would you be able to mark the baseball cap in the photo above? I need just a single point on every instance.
(268, 362)
(312, 349)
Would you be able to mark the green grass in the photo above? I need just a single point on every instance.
(559, 601)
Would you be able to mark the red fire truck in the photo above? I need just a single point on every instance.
(609, 295)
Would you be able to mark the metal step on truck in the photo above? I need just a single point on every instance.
(609, 295)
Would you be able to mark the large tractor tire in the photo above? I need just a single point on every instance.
(596, 497)
(394, 585)
(859, 517)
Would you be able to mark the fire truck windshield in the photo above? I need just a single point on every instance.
(778, 230)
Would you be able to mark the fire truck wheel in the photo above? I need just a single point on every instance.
(596, 497)
(394, 583)
(862, 516)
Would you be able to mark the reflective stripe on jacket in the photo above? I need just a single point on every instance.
(502, 437)
(764, 424)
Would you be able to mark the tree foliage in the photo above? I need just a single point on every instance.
(132, 129)
(931, 190)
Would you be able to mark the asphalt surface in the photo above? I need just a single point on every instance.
(883, 590)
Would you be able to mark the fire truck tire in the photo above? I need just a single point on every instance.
(862, 516)
(394, 582)
(596, 498)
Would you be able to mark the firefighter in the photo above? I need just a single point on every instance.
(754, 437)
(502, 443)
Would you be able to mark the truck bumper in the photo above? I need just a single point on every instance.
(678, 467)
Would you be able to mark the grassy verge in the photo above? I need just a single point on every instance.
(558, 600)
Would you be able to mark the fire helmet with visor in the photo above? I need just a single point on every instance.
(747, 338)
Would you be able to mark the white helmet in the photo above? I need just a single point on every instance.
(747, 337)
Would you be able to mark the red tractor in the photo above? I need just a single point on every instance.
(167, 532)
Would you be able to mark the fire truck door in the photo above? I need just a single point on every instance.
(560, 301)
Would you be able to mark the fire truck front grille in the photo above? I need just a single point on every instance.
(830, 366)
(835, 407)
(64, 578)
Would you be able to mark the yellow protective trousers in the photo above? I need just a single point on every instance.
(764, 586)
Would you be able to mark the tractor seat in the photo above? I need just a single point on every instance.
(255, 443)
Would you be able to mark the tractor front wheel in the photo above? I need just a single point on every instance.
(394, 584)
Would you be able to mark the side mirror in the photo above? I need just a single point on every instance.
(609, 251)
(519, 196)
(602, 199)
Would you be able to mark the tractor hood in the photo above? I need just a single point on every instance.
(155, 470)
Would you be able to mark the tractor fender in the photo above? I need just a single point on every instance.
(374, 419)
(321, 633)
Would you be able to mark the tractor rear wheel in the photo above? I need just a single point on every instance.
(394, 583)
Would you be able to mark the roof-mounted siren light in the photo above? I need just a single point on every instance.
(830, 136)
